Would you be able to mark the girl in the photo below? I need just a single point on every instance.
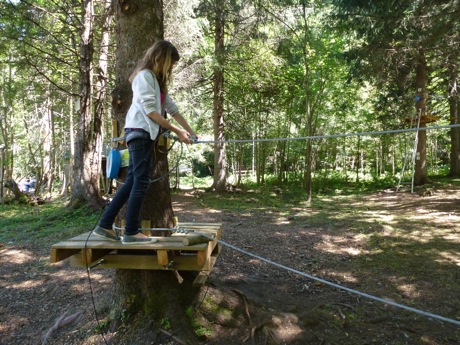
(143, 121)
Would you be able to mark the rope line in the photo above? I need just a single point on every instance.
(328, 136)
(338, 286)
(88, 268)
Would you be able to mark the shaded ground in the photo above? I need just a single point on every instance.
(399, 246)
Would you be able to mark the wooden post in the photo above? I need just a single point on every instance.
(146, 224)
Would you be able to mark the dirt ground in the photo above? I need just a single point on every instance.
(398, 246)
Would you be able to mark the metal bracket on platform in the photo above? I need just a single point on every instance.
(100, 262)
(180, 280)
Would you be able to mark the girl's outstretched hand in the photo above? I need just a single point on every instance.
(184, 136)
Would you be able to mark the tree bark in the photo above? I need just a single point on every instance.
(420, 174)
(88, 145)
(308, 110)
(138, 25)
(454, 117)
(220, 159)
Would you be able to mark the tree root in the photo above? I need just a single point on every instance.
(264, 326)
(246, 305)
(61, 321)
(266, 330)
(172, 336)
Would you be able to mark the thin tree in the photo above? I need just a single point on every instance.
(220, 158)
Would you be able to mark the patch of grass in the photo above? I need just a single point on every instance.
(102, 326)
(44, 224)
(165, 323)
(196, 182)
(200, 330)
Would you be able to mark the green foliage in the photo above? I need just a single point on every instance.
(204, 165)
(340, 66)
(165, 323)
(199, 329)
(124, 315)
(102, 326)
(47, 224)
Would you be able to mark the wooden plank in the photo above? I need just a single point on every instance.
(200, 279)
(57, 255)
(217, 250)
(170, 239)
(203, 257)
(163, 257)
(144, 262)
(92, 255)
(146, 225)
(201, 225)
(81, 242)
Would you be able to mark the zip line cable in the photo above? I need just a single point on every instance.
(341, 287)
(327, 136)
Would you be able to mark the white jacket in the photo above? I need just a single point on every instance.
(147, 99)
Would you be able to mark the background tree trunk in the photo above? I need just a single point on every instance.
(88, 144)
(220, 160)
(454, 117)
(420, 175)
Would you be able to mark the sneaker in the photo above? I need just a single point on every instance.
(106, 233)
(132, 239)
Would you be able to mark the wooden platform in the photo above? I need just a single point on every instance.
(169, 253)
(423, 120)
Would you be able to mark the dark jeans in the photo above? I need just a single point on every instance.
(134, 188)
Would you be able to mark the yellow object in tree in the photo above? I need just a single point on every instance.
(124, 155)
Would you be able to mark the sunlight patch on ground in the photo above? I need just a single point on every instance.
(379, 216)
(282, 221)
(14, 256)
(27, 284)
(451, 237)
(287, 327)
(449, 257)
(340, 245)
(409, 290)
(283, 234)
(433, 233)
(235, 276)
(9, 326)
(341, 277)
(420, 236)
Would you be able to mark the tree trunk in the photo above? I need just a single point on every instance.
(157, 294)
(308, 111)
(420, 174)
(88, 145)
(454, 117)
(220, 159)
(48, 165)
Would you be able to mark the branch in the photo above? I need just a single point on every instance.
(50, 81)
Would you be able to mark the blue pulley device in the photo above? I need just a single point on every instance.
(113, 164)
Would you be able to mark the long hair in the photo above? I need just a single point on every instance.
(159, 58)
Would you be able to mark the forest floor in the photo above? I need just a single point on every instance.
(402, 247)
